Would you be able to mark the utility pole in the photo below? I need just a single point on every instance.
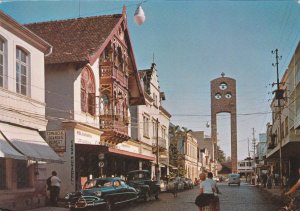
(254, 162)
(279, 96)
(254, 143)
(248, 149)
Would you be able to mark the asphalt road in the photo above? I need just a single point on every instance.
(233, 198)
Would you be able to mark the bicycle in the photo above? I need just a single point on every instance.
(290, 205)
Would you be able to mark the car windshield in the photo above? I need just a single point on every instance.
(97, 183)
(138, 175)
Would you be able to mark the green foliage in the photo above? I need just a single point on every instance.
(221, 155)
(175, 158)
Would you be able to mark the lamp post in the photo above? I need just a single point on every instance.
(279, 96)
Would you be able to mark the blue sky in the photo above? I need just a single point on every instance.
(193, 43)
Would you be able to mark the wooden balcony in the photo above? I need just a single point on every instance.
(115, 130)
(110, 72)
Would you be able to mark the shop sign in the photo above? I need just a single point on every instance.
(83, 137)
(56, 139)
(127, 148)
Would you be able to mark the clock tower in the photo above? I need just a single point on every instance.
(223, 99)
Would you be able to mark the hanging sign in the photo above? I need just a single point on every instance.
(56, 139)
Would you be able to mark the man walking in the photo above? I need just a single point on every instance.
(54, 188)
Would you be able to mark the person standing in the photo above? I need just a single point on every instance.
(54, 188)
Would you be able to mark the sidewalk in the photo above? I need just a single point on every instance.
(275, 193)
(49, 209)
(60, 208)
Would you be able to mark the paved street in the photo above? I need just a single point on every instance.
(233, 198)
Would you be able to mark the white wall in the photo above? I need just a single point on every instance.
(31, 105)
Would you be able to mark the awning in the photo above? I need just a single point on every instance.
(131, 154)
(7, 151)
(30, 143)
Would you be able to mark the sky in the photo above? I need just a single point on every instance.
(193, 42)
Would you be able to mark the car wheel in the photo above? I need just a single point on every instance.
(108, 206)
(147, 196)
(228, 184)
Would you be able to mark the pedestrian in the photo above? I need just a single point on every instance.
(269, 181)
(216, 192)
(264, 180)
(206, 194)
(54, 188)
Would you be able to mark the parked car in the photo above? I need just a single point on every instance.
(234, 179)
(141, 181)
(175, 182)
(101, 193)
(188, 183)
(216, 179)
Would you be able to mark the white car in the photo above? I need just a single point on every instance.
(234, 179)
(216, 179)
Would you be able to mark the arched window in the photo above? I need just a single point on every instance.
(88, 91)
(22, 72)
(2, 61)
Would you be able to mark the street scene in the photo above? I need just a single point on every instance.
(149, 105)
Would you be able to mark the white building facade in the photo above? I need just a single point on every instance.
(150, 123)
(22, 117)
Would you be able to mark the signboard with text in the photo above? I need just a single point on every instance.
(56, 139)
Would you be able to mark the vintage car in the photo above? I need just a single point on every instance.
(141, 181)
(101, 193)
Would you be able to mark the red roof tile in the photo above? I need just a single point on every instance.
(75, 40)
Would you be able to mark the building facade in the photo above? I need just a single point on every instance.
(283, 132)
(91, 81)
(150, 124)
(22, 117)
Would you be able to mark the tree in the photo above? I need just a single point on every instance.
(221, 155)
(228, 159)
(175, 157)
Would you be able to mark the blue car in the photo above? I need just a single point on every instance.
(101, 193)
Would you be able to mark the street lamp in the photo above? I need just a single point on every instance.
(139, 15)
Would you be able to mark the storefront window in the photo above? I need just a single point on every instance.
(2, 174)
(22, 174)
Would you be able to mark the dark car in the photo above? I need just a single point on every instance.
(101, 193)
(141, 181)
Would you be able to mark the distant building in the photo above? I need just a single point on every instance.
(144, 126)
(246, 166)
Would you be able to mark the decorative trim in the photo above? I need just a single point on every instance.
(21, 31)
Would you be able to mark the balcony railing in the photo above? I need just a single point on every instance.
(162, 143)
(107, 71)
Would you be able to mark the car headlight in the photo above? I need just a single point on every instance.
(98, 193)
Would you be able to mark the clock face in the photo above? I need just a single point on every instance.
(218, 96)
(223, 86)
(228, 95)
